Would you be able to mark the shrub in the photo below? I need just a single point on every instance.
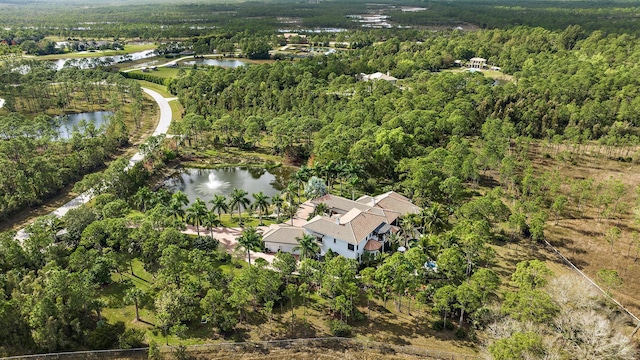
(438, 325)
(154, 351)
(358, 315)
(131, 338)
(460, 333)
(338, 328)
(105, 336)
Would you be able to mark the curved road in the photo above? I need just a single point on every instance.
(163, 126)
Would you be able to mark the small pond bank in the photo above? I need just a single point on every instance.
(70, 121)
(205, 183)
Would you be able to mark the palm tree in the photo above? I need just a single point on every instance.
(211, 221)
(261, 203)
(343, 170)
(239, 199)
(291, 192)
(330, 171)
(320, 209)
(175, 209)
(305, 172)
(196, 213)
(180, 197)
(143, 197)
(250, 240)
(426, 243)
(394, 240)
(292, 210)
(354, 181)
(219, 204)
(307, 245)
(408, 228)
(178, 201)
(277, 201)
(299, 178)
(434, 219)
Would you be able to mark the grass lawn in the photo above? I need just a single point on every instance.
(176, 110)
(161, 89)
(163, 72)
(231, 220)
(112, 295)
(386, 324)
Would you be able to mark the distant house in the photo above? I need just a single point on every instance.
(378, 76)
(350, 228)
(477, 63)
(299, 38)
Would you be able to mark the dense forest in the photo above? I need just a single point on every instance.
(165, 20)
(378, 124)
(141, 265)
(37, 162)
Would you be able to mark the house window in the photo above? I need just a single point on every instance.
(350, 247)
(319, 239)
(334, 241)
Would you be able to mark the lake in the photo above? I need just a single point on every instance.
(67, 122)
(214, 62)
(89, 62)
(204, 183)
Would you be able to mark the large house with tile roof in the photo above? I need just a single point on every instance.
(282, 237)
(350, 228)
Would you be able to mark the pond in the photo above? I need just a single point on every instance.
(69, 121)
(214, 62)
(89, 62)
(204, 183)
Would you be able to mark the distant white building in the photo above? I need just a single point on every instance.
(477, 63)
(378, 76)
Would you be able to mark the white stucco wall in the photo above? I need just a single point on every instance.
(341, 247)
(274, 247)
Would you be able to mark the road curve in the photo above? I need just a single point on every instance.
(163, 126)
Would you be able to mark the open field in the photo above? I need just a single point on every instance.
(580, 234)
(163, 72)
(494, 74)
(160, 89)
(176, 109)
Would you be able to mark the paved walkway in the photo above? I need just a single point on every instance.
(163, 126)
(228, 238)
(304, 210)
